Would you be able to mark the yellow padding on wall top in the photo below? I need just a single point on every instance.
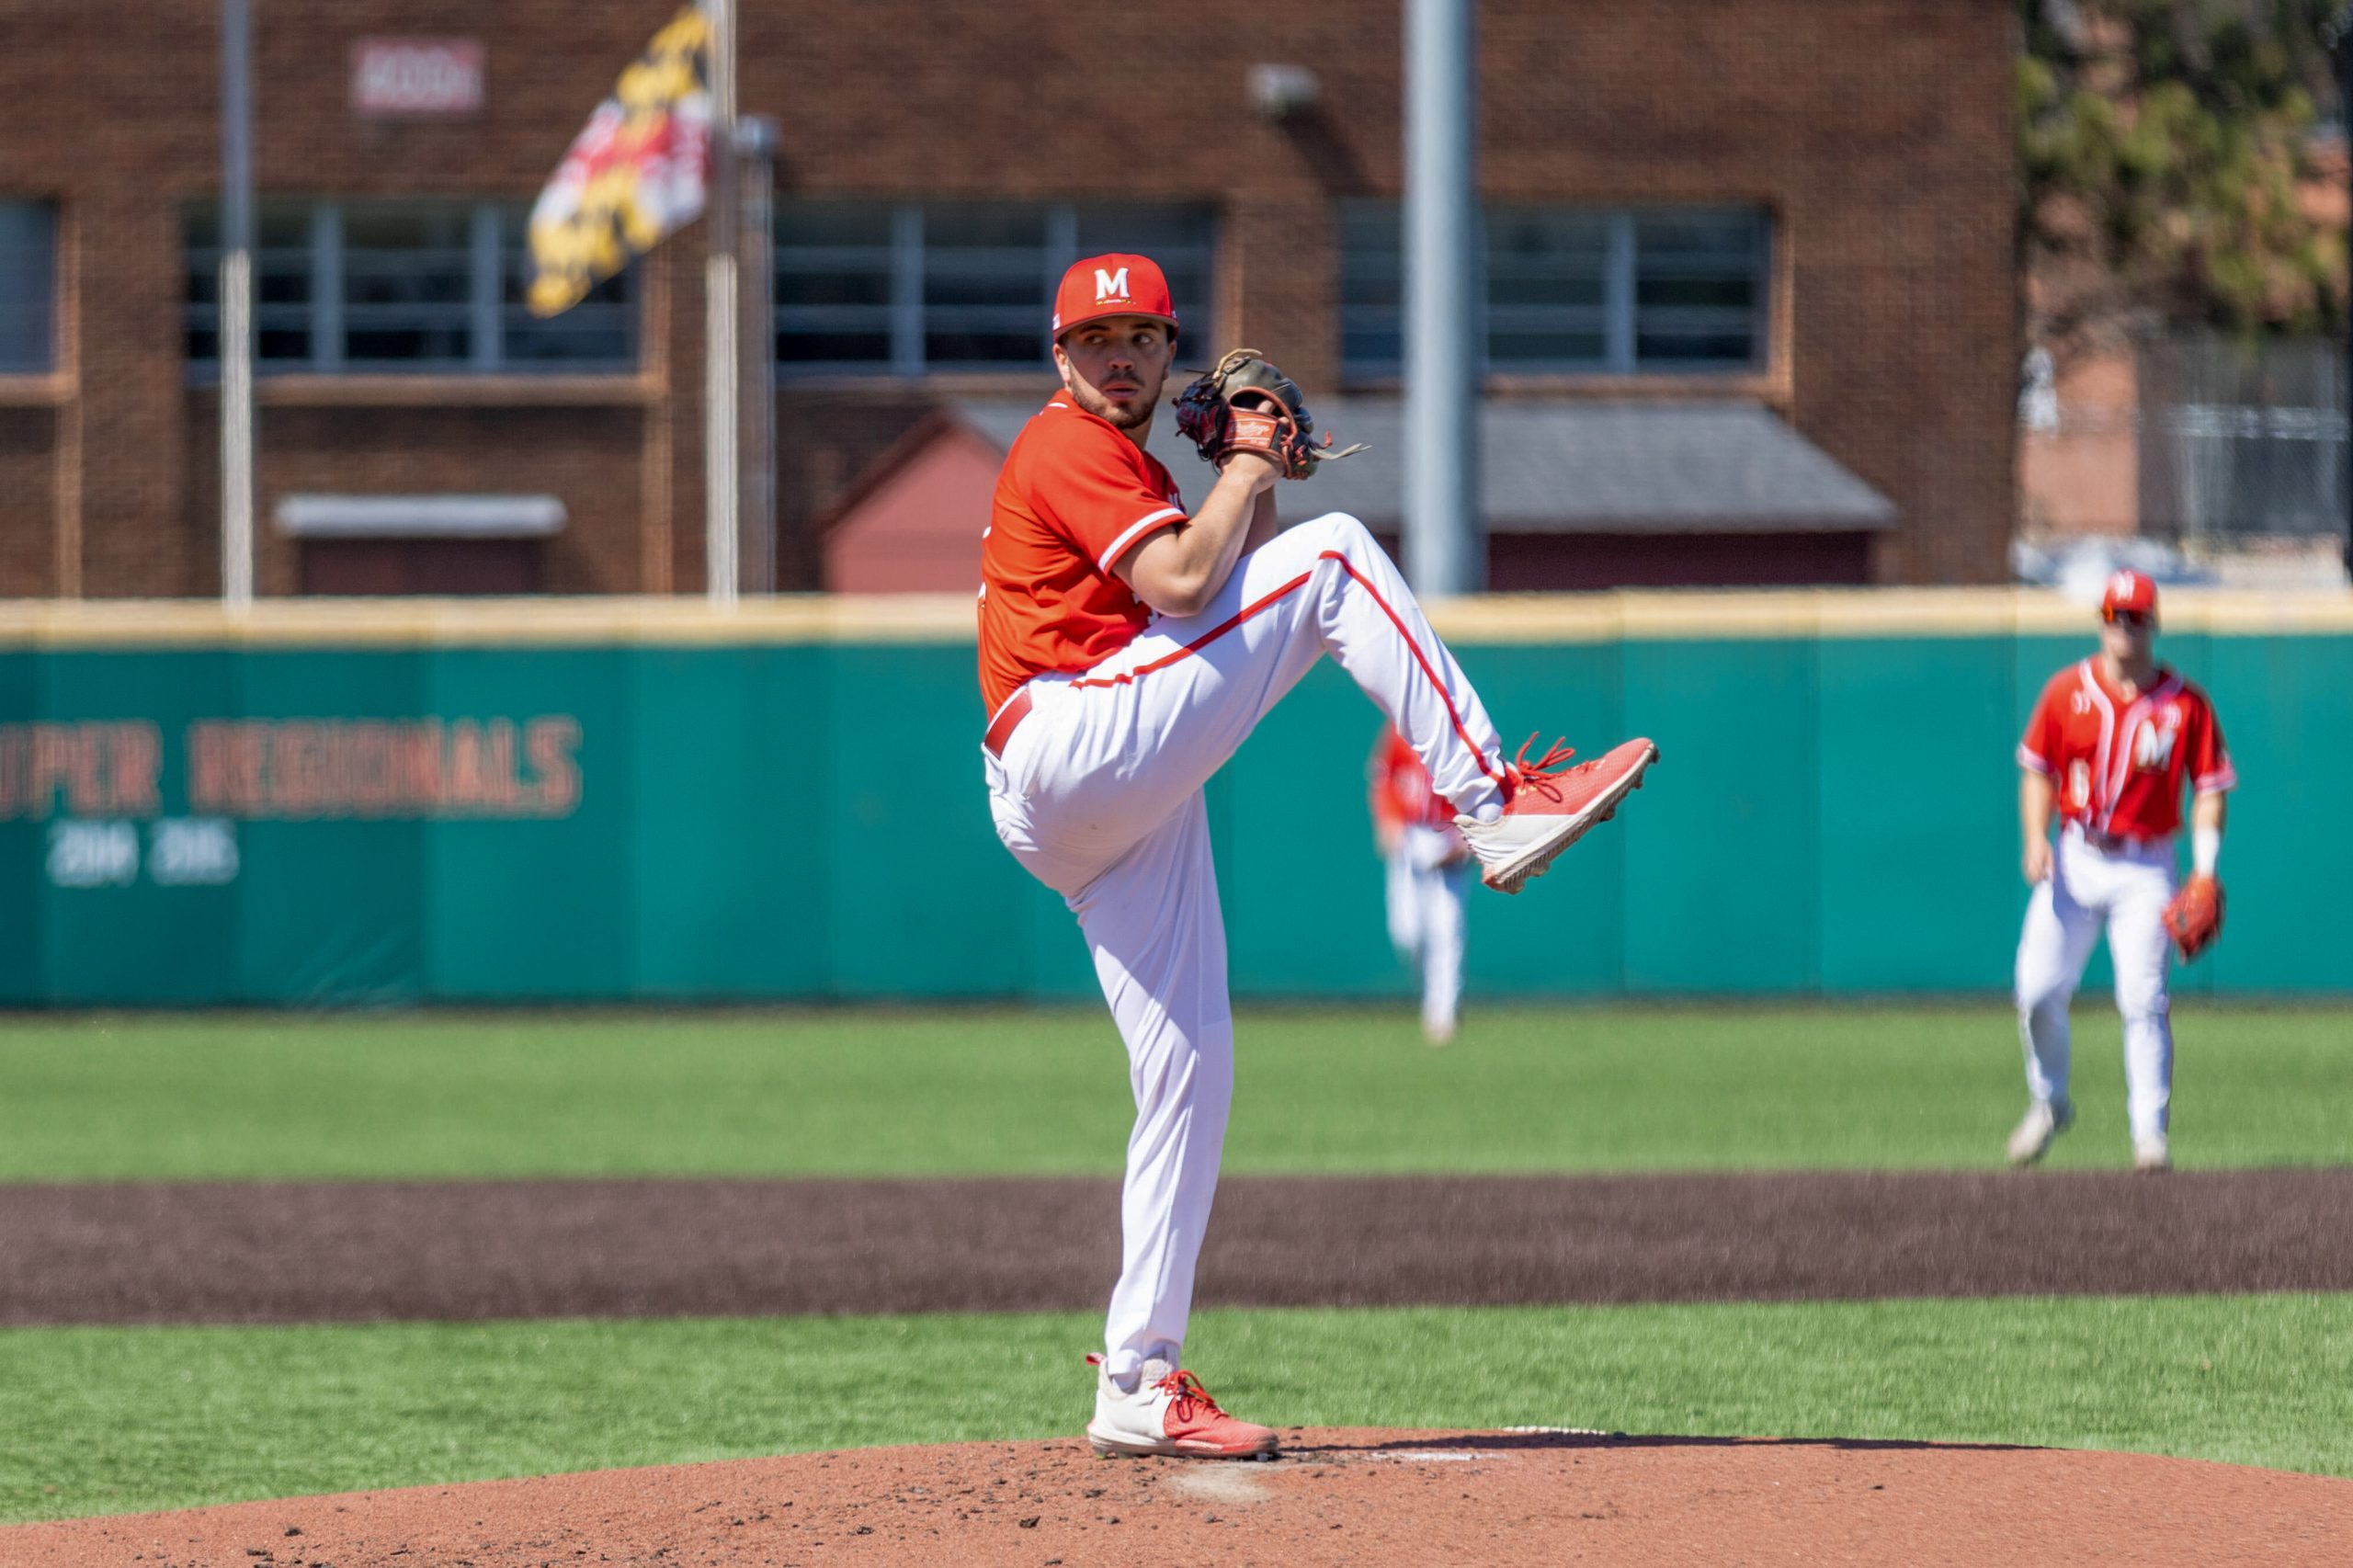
(684, 621)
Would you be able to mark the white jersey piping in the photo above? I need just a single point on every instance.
(1118, 546)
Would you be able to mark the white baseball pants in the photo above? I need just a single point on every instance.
(2126, 891)
(1098, 795)
(1425, 889)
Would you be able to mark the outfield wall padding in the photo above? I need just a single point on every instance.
(642, 801)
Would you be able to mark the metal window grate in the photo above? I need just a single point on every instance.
(2242, 441)
(1575, 291)
(902, 289)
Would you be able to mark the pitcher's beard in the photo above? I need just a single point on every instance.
(1135, 415)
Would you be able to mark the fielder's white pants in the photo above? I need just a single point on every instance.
(1098, 795)
(2126, 891)
(1425, 889)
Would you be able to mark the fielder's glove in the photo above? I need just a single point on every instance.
(2194, 918)
(1247, 405)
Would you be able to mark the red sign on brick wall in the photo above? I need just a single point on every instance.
(416, 78)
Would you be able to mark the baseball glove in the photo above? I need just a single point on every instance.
(2194, 918)
(1247, 405)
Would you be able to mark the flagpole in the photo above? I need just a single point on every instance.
(722, 363)
(755, 253)
(236, 308)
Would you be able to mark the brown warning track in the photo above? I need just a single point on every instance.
(1348, 1497)
(354, 1252)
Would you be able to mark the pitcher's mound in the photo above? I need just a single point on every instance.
(1334, 1497)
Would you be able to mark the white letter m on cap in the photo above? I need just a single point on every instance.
(1110, 285)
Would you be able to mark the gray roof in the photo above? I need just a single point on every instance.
(1722, 467)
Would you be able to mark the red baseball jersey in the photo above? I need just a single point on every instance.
(2119, 764)
(1401, 787)
(1074, 495)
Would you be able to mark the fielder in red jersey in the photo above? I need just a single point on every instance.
(1429, 868)
(2114, 742)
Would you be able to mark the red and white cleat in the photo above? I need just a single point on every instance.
(1547, 808)
(1171, 1414)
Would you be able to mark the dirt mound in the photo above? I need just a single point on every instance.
(1336, 1497)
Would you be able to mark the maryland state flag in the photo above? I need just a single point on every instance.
(638, 171)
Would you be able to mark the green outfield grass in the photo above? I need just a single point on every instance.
(115, 1420)
(974, 1091)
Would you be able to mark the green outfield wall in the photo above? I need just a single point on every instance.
(645, 802)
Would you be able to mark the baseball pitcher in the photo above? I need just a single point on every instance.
(1128, 645)
(2111, 743)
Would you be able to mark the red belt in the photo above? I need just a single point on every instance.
(1008, 719)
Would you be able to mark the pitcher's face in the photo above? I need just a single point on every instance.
(1114, 368)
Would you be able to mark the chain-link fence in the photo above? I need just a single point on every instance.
(2240, 442)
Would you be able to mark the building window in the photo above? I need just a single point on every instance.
(1372, 288)
(282, 293)
(1577, 290)
(28, 286)
(866, 288)
(390, 287)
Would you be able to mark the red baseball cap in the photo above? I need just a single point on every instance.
(2133, 593)
(1112, 286)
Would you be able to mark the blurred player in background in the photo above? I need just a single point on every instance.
(1429, 867)
(2111, 743)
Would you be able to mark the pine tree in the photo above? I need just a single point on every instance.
(2163, 149)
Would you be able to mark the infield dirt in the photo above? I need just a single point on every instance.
(231, 1252)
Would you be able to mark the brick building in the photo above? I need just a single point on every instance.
(1798, 205)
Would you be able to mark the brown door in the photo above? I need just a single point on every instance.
(388, 566)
